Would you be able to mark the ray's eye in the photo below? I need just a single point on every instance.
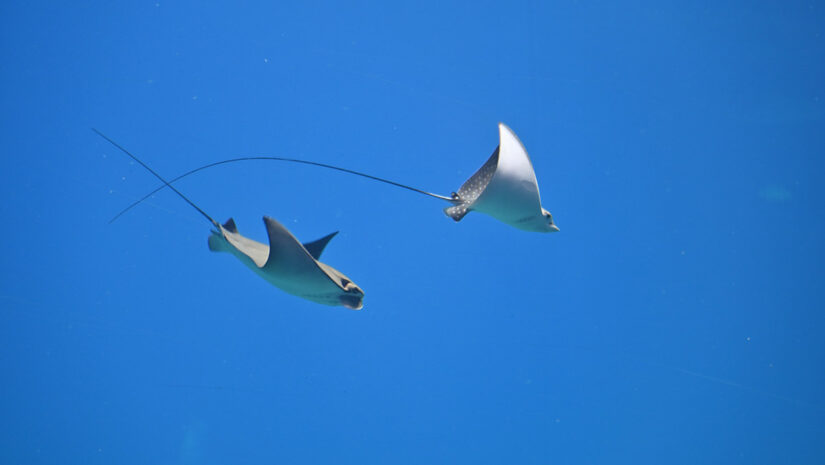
(345, 282)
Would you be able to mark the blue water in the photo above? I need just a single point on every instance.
(676, 318)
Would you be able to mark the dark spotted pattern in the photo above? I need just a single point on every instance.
(472, 188)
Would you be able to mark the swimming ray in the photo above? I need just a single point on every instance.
(285, 262)
(505, 187)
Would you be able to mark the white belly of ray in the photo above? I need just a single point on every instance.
(512, 195)
(299, 281)
(294, 271)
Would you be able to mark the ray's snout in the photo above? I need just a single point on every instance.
(353, 296)
(353, 299)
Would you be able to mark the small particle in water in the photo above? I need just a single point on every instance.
(775, 193)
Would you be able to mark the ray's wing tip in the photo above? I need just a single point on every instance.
(504, 129)
(270, 220)
(456, 212)
(216, 242)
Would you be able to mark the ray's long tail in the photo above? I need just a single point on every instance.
(165, 182)
(284, 159)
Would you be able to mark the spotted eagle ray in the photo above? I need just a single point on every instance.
(286, 263)
(505, 187)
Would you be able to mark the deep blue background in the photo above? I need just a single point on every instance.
(676, 318)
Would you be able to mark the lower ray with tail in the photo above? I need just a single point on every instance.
(285, 263)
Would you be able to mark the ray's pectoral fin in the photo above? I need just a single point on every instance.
(217, 243)
(472, 188)
(316, 248)
(505, 187)
(457, 212)
(285, 252)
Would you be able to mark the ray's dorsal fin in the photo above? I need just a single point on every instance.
(230, 226)
(316, 247)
